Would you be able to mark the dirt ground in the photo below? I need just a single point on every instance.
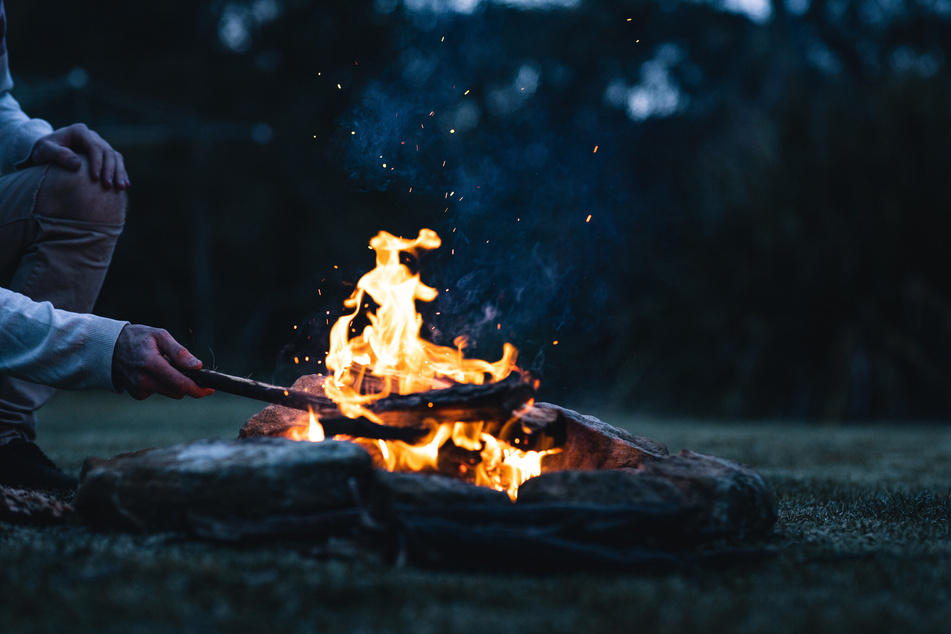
(863, 543)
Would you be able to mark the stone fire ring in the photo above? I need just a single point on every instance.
(615, 499)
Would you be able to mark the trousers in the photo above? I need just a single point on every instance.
(58, 231)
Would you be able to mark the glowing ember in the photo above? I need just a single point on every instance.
(389, 356)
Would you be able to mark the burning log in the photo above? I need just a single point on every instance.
(410, 412)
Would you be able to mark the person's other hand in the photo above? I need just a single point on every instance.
(149, 361)
(63, 147)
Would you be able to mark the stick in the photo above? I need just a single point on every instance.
(295, 399)
(460, 403)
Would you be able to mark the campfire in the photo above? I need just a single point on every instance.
(390, 357)
(420, 448)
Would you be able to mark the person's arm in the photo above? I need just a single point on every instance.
(18, 132)
(77, 351)
(54, 347)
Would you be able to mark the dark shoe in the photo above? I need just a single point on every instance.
(24, 466)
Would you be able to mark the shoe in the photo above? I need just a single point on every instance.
(23, 465)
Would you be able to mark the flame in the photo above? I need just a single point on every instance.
(314, 432)
(389, 356)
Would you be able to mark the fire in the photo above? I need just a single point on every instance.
(390, 347)
(389, 356)
(314, 432)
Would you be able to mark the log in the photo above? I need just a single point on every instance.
(493, 403)
(461, 402)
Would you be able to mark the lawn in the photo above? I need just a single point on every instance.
(863, 543)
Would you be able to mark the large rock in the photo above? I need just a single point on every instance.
(735, 499)
(427, 489)
(274, 420)
(590, 443)
(715, 497)
(255, 478)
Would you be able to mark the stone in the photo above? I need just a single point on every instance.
(273, 420)
(602, 488)
(18, 506)
(713, 497)
(734, 498)
(427, 489)
(161, 489)
(590, 443)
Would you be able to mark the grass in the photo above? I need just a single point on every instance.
(863, 543)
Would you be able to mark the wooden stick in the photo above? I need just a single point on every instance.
(461, 402)
(404, 414)
(295, 399)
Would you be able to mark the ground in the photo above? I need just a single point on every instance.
(863, 543)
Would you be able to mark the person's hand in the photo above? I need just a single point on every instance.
(148, 361)
(63, 147)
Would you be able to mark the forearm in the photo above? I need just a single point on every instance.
(45, 345)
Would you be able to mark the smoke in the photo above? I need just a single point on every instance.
(503, 158)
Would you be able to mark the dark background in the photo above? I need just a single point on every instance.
(768, 189)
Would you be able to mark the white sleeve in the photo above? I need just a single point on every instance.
(63, 349)
(18, 133)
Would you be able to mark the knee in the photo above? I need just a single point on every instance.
(75, 196)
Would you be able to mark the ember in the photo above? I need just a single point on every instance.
(389, 356)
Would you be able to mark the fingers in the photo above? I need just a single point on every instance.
(49, 152)
(63, 146)
(148, 361)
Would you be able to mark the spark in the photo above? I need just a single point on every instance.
(555, 342)
(596, 149)
(588, 219)
(465, 93)
(339, 87)
(450, 132)
(296, 360)
(295, 325)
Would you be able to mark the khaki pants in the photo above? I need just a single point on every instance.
(57, 234)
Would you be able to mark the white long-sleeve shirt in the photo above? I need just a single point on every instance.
(38, 342)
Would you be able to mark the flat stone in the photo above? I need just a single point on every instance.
(159, 490)
(713, 497)
(603, 488)
(734, 498)
(427, 489)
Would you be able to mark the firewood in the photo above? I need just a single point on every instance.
(494, 403)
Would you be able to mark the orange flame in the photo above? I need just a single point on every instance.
(389, 356)
(314, 431)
